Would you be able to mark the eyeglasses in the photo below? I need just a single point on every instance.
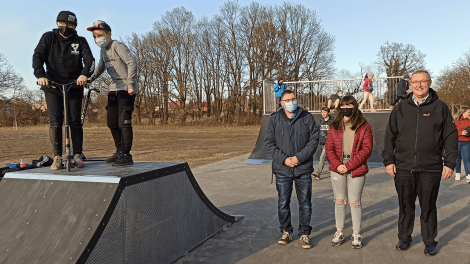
(290, 100)
(419, 82)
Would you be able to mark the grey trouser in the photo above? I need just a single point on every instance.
(322, 161)
(349, 189)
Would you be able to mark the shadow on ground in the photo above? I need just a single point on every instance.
(241, 189)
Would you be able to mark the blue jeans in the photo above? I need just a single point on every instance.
(303, 187)
(463, 154)
(278, 103)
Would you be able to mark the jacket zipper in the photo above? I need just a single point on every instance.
(416, 139)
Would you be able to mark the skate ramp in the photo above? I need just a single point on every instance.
(152, 212)
(378, 122)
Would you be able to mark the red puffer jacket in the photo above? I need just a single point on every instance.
(362, 149)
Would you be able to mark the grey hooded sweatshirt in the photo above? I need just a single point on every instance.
(120, 65)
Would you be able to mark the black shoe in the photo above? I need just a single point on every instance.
(402, 245)
(113, 158)
(124, 160)
(430, 250)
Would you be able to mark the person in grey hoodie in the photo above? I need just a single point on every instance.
(324, 126)
(117, 60)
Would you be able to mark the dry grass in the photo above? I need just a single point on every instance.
(196, 145)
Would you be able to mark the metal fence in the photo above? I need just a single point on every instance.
(313, 95)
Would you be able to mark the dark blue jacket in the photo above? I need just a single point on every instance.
(403, 86)
(323, 127)
(291, 137)
(279, 90)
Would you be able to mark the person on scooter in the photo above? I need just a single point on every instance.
(117, 60)
(68, 59)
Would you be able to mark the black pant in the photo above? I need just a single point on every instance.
(399, 98)
(425, 186)
(55, 109)
(119, 118)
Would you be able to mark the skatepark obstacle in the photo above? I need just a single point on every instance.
(152, 212)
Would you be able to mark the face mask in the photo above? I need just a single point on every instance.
(347, 111)
(101, 42)
(340, 95)
(291, 106)
(66, 31)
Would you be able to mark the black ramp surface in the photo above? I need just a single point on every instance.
(49, 221)
(152, 212)
(259, 154)
(378, 122)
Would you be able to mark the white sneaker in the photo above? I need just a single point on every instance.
(356, 242)
(468, 178)
(457, 176)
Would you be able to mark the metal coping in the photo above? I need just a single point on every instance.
(51, 177)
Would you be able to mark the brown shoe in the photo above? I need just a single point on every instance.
(305, 241)
(57, 164)
(286, 238)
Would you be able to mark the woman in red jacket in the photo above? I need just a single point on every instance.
(348, 146)
(462, 122)
(368, 91)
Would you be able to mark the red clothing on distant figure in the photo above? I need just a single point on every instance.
(461, 125)
(366, 86)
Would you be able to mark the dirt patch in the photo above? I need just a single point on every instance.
(195, 145)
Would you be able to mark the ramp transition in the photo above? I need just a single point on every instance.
(152, 212)
(378, 122)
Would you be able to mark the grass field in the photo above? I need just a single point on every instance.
(197, 145)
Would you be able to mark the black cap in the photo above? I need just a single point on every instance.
(99, 24)
(67, 16)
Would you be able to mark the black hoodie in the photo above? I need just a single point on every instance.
(418, 137)
(65, 58)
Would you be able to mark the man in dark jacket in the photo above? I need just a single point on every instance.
(324, 127)
(402, 89)
(420, 146)
(68, 59)
(291, 139)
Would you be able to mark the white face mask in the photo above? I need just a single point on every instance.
(101, 42)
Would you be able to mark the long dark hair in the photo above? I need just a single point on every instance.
(356, 118)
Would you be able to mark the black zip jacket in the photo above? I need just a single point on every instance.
(417, 138)
(286, 137)
(324, 126)
(402, 87)
(65, 58)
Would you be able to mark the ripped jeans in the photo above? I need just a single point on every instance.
(347, 188)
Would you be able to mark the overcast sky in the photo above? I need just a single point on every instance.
(437, 28)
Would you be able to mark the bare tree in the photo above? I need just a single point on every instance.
(11, 83)
(452, 84)
(396, 59)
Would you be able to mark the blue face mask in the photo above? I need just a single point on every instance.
(340, 95)
(101, 42)
(291, 106)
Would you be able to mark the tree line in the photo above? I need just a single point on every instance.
(213, 68)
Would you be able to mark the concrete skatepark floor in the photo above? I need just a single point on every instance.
(244, 189)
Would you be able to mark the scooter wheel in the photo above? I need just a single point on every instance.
(67, 164)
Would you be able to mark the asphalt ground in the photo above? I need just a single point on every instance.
(245, 189)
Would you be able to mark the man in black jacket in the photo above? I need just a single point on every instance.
(291, 139)
(402, 89)
(68, 58)
(420, 146)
